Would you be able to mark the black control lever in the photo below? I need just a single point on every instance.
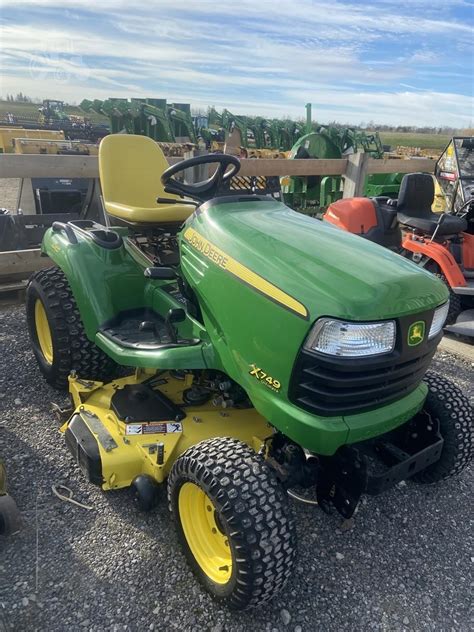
(162, 200)
(174, 316)
(441, 219)
(163, 273)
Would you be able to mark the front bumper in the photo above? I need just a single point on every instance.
(374, 466)
(325, 435)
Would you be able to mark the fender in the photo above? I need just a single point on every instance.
(102, 281)
(107, 281)
(440, 255)
(468, 250)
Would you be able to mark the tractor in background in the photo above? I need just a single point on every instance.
(155, 118)
(52, 111)
(313, 194)
(53, 117)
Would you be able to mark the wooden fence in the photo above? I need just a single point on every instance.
(353, 169)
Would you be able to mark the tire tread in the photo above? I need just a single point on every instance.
(254, 506)
(446, 401)
(73, 349)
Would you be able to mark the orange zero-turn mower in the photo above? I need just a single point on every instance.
(441, 243)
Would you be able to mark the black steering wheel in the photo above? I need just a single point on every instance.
(207, 189)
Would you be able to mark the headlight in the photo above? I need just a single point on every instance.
(351, 340)
(439, 318)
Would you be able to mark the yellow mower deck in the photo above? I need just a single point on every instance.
(128, 449)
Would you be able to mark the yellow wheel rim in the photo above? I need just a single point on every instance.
(43, 332)
(204, 533)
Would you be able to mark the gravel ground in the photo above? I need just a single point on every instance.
(406, 564)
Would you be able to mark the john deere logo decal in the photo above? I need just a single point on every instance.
(416, 333)
(244, 274)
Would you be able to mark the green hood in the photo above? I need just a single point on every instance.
(330, 271)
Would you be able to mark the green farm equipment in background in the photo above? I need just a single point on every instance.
(260, 133)
(378, 184)
(310, 193)
(209, 129)
(155, 118)
(246, 132)
(313, 194)
(173, 123)
(252, 137)
(52, 111)
(51, 117)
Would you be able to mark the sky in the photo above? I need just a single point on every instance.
(403, 62)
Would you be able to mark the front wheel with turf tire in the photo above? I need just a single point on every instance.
(233, 520)
(448, 407)
(57, 334)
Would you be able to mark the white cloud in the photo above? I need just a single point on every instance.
(348, 58)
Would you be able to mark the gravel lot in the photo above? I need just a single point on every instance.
(406, 565)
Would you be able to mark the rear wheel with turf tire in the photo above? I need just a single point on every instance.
(233, 520)
(455, 307)
(447, 405)
(57, 334)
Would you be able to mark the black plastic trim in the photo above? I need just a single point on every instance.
(333, 386)
(57, 226)
(84, 447)
(111, 330)
(106, 238)
(139, 403)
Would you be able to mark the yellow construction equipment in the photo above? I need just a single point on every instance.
(65, 147)
(7, 134)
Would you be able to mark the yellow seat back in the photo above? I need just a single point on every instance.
(440, 204)
(130, 169)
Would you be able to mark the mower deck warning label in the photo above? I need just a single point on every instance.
(153, 428)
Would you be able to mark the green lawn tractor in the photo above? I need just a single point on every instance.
(266, 353)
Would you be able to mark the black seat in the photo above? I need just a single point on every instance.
(387, 232)
(414, 207)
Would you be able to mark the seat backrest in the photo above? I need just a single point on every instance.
(130, 168)
(416, 195)
(386, 213)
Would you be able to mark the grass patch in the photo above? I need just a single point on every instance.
(30, 111)
(409, 139)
